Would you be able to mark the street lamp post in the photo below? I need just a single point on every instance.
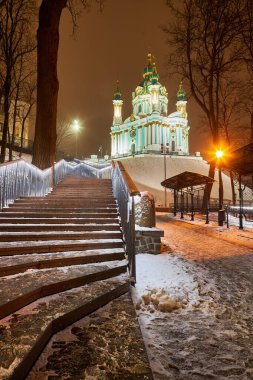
(163, 151)
(76, 127)
(219, 155)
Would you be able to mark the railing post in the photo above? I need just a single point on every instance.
(132, 236)
(4, 185)
(241, 203)
(124, 191)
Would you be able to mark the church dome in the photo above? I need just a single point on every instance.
(181, 93)
(117, 92)
(148, 70)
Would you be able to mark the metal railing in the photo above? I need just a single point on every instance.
(19, 178)
(124, 191)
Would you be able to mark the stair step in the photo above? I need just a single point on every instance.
(57, 220)
(19, 248)
(63, 199)
(66, 247)
(104, 345)
(47, 316)
(10, 265)
(64, 235)
(59, 227)
(88, 204)
(58, 214)
(35, 207)
(19, 290)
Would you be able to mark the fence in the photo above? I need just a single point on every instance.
(124, 191)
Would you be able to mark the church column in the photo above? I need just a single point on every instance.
(120, 143)
(154, 133)
(139, 138)
(158, 133)
(116, 143)
(125, 141)
(165, 135)
(149, 134)
(113, 144)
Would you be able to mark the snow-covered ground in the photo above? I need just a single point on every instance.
(194, 301)
(15, 156)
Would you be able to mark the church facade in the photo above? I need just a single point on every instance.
(149, 129)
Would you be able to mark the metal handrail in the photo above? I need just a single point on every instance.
(124, 191)
(20, 178)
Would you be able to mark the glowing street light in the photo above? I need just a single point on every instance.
(219, 153)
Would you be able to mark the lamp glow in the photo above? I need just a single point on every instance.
(219, 153)
(76, 125)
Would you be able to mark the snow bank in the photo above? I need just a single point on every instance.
(164, 283)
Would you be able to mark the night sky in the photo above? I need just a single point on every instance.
(110, 46)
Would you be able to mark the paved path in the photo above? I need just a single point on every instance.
(214, 339)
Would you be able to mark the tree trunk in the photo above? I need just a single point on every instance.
(208, 187)
(7, 88)
(232, 187)
(12, 139)
(251, 127)
(47, 82)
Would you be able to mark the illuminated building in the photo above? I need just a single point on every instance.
(149, 129)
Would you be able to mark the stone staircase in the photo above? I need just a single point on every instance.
(62, 258)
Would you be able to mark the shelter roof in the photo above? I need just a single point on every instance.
(186, 179)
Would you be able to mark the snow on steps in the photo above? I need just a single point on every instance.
(19, 227)
(19, 290)
(54, 235)
(77, 263)
(19, 248)
(25, 334)
(51, 214)
(55, 220)
(17, 264)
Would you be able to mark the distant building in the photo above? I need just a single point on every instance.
(149, 128)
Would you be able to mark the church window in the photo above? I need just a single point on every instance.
(139, 108)
(173, 146)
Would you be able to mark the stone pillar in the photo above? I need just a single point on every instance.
(145, 210)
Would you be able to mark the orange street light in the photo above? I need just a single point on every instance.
(219, 153)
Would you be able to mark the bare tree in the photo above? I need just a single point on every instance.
(245, 15)
(203, 37)
(16, 30)
(230, 122)
(64, 132)
(47, 80)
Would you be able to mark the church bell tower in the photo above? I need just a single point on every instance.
(181, 102)
(117, 105)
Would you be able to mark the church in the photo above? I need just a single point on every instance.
(149, 129)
